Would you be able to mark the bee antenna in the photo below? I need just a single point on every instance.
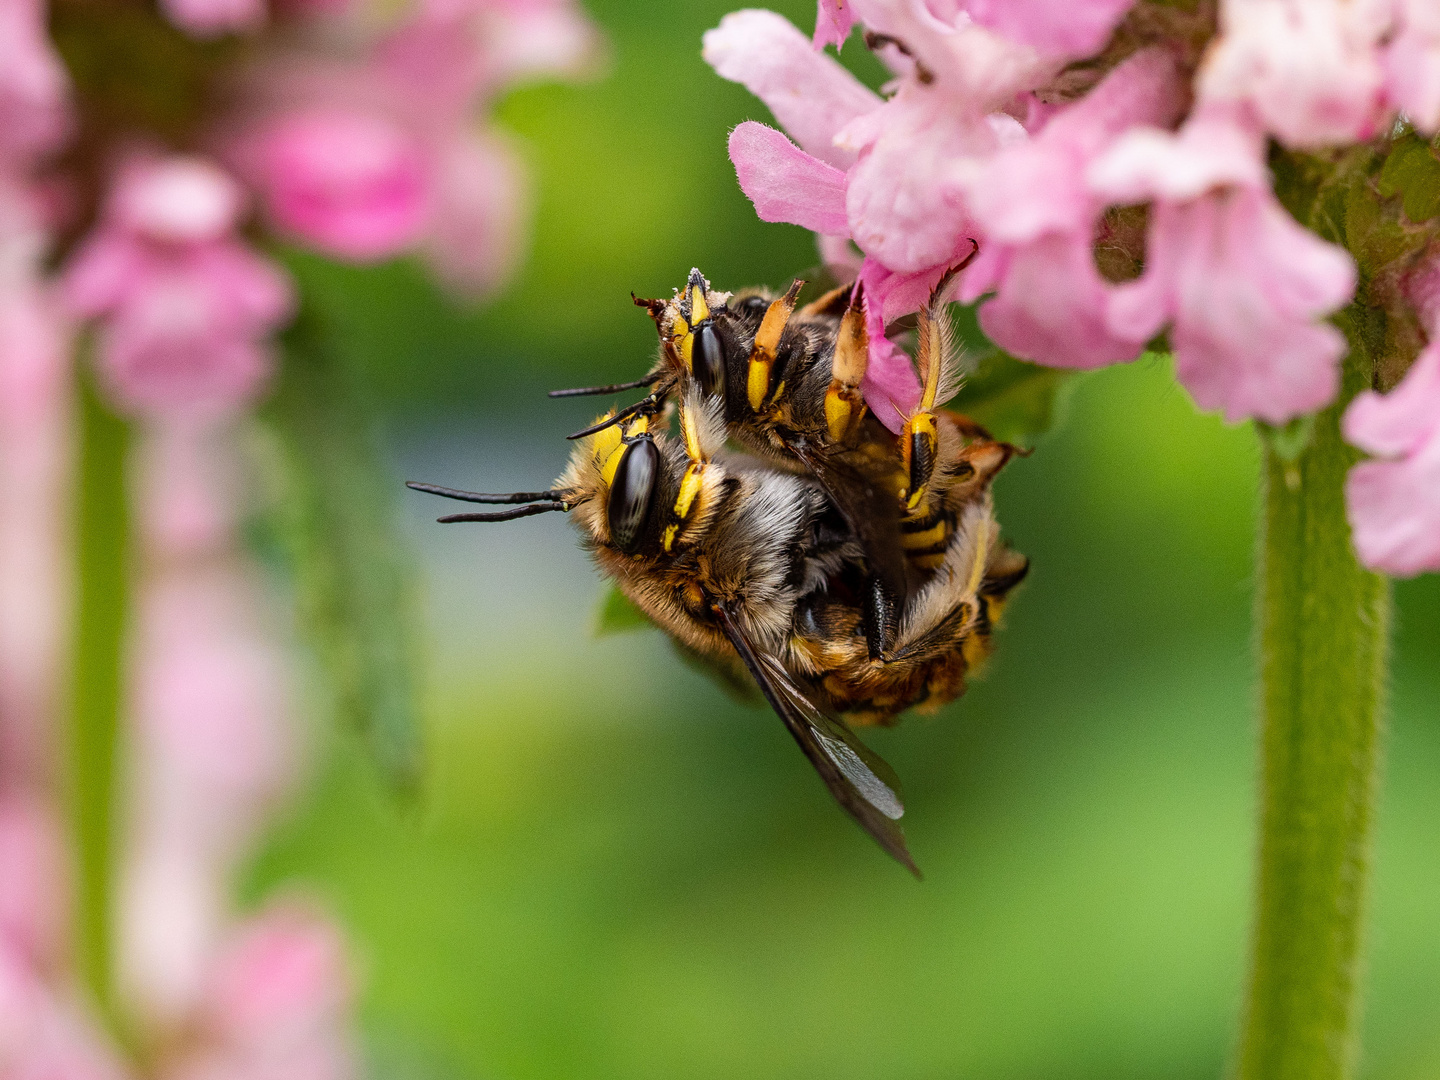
(505, 515)
(482, 497)
(649, 402)
(614, 388)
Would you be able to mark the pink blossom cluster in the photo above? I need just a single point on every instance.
(972, 149)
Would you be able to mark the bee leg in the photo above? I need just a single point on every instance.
(844, 405)
(881, 611)
(920, 437)
(767, 342)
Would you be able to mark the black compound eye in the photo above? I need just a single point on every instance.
(631, 493)
(754, 307)
(708, 359)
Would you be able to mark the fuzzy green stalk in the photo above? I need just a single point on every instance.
(1323, 637)
(100, 622)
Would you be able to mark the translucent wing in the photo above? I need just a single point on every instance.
(862, 784)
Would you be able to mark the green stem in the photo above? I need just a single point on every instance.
(100, 622)
(1324, 623)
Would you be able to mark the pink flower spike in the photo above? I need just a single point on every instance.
(178, 199)
(1308, 68)
(1394, 505)
(352, 184)
(214, 18)
(811, 94)
(1067, 28)
(834, 20)
(785, 183)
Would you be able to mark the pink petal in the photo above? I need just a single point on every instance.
(1039, 185)
(213, 18)
(1051, 307)
(900, 294)
(1402, 421)
(352, 184)
(481, 213)
(890, 387)
(811, 95)
(33, 908)
(1069, 28)
(1214, 149)
(1250, 284)
(905, 202)
(101, 273)
(833, 21)
(285, 973)
(1308, 68)
(785, 183)
(1412, 66)
(175, 199)
(34, 91)
(1394, 511)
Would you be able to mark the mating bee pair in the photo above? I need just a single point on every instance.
(851, 571)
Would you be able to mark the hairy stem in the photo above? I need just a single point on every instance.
(100, 623)
(1323, 636)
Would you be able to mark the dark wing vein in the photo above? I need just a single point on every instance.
(863, 785)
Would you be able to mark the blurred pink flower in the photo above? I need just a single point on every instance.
(214, 18)
(1394, 502)
(1038, 219)
(184, 306)
(482, 200)
(34, 101)
(834, 19)
(1241, 283)
(1310, 69)
(275, 1004)
(1411, 63)
(211, 748)
(350, 183)
(33, 901)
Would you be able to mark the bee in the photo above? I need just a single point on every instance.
(787, 381)
(719, 554)
(851, 573)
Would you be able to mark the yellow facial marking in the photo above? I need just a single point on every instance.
(612, 462)
(687, 352)
(757, 381)
(699, 309)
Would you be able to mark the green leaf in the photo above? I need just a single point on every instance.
(1015, 400)
(1412, 172)
(617, 614)
(335, 512)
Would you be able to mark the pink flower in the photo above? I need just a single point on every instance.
(787, 184)
(33, 907)
(811, 95)
(214, 18)
(351, 183)
(1394, 503)
(482, 210)
(1038, 218)
(1411, 64)
(1053, 27)
(210, 752)
(834, 19)
(1310, 69)
(1241, 283)
(184, 306)
(34, 92)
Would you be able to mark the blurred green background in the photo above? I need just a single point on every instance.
(616, 872)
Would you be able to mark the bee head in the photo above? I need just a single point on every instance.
(697, 332)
